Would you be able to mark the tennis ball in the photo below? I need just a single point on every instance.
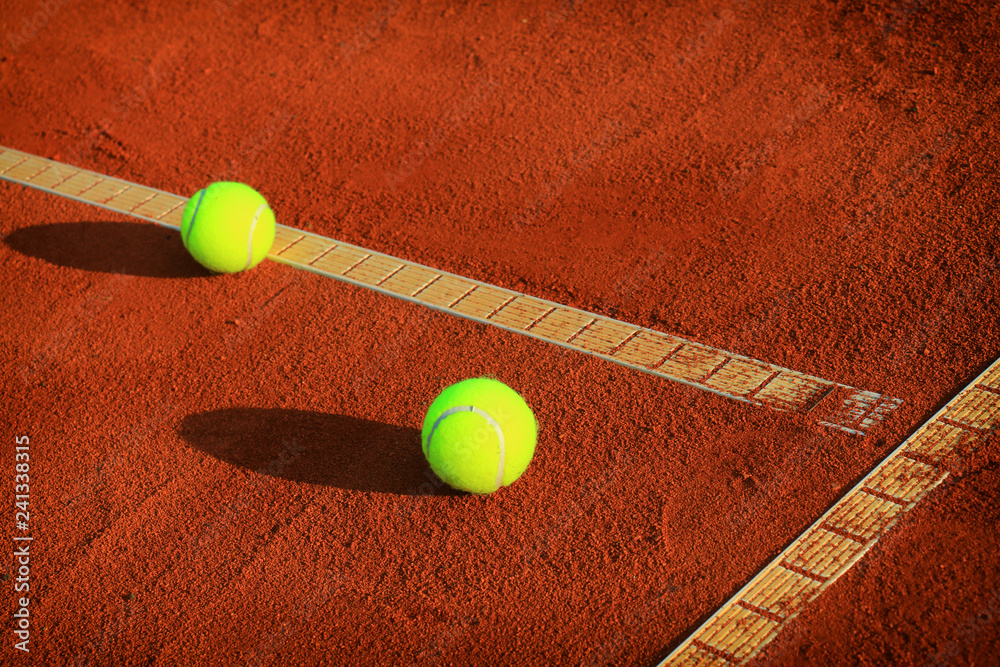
(479, 435)
(228, 227)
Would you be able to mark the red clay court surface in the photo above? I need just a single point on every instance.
(227, 470)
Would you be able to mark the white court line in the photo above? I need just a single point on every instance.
(726, 374)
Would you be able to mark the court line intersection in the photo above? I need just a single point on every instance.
(747, 622)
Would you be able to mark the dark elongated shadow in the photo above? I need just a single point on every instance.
(315, 447)
(133, 248)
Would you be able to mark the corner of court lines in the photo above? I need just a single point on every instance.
(745, 624)
(748, 621)
(856, 411)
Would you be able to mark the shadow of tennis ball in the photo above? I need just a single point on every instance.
(315, 448)
(132, 248)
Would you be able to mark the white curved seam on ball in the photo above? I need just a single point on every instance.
(194, 215)
(253, 226)
(492, 422)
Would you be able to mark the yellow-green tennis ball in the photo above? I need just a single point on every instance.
(228, 227)
(479, 435)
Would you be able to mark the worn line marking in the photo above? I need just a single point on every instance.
(853, 412)
(813, 547)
